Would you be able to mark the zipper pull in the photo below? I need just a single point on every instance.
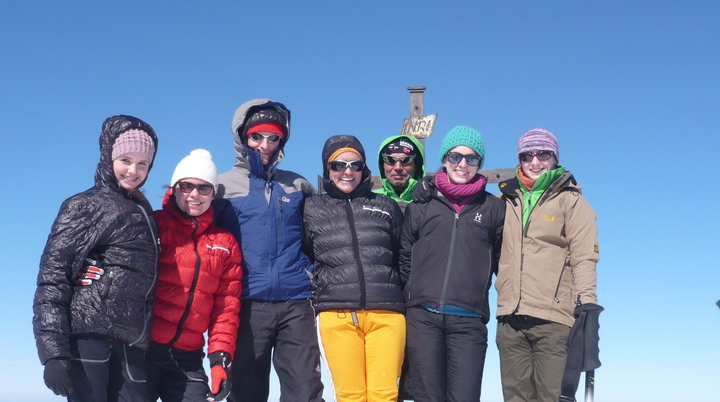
(353, 314)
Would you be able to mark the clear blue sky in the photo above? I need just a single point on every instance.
(630, 88)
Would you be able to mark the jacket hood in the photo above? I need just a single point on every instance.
(333, 144)
(111, 129)
(242, 152)
(419, 159)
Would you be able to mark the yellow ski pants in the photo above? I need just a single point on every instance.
(364, 353)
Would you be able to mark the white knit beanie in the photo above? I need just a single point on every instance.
(197, 165)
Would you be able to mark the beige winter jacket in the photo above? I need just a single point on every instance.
(545, 269)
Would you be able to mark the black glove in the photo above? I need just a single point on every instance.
(57, 376)
(220, 375)
(424, 190)
(91, 271)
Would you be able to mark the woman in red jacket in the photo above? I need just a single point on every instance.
(198, 290)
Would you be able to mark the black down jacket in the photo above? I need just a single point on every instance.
(109, 221)
(354, 240)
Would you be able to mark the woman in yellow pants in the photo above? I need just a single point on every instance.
(352, 237)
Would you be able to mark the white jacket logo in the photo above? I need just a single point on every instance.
(217, 248)
(478, 217)
(366, 208)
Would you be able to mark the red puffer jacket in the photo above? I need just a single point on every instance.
(199, 284)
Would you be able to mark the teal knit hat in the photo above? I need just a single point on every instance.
(463, 135)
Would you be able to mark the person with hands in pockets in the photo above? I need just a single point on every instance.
(92, 327)
(198, 290)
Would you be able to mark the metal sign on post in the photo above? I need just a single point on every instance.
(419, 127)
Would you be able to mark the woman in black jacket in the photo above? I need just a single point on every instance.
(450, 248)
(352, 236)
(92, 319)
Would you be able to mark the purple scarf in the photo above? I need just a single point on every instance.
(459, 194)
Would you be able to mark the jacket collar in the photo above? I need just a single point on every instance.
(203, 221)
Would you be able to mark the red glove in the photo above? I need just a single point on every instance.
(220, 375)
(91, 271)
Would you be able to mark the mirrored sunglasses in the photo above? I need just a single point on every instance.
(391, 160)
(455, 157)
(541, 155)
(259, 137)
(203, 189)
(340, 166)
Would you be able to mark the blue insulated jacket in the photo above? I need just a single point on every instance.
(262, 206)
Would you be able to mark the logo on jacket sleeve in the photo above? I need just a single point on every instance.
(550, 218)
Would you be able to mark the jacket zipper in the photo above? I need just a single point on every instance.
(280, 221)
(272, 254)
(193, 286)
(356, 251)
(156, 242)
(450, 260)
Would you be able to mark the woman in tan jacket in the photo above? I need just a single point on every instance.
(547, 268)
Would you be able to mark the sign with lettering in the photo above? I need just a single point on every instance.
(419, 127)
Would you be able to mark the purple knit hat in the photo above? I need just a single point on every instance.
(538, 139)
(133, 141)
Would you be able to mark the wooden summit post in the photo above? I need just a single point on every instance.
(421, 127)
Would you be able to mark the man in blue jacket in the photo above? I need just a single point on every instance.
(262, 206)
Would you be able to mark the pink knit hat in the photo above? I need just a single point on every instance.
(538, 139)
(133, 141)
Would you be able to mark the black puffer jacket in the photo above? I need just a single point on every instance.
(353, 240)
(109, 221)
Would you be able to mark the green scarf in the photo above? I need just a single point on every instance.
(531, 197)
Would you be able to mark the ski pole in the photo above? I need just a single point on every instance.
(589, 385)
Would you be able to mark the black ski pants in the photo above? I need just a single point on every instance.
(103, 369)
(284, 334)
(446, 354)
(176, 375)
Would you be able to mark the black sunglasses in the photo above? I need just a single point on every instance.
(391, 160)
(340, 166)
(455, 157)
(203, 189)
(259, 137)
(541, 155)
